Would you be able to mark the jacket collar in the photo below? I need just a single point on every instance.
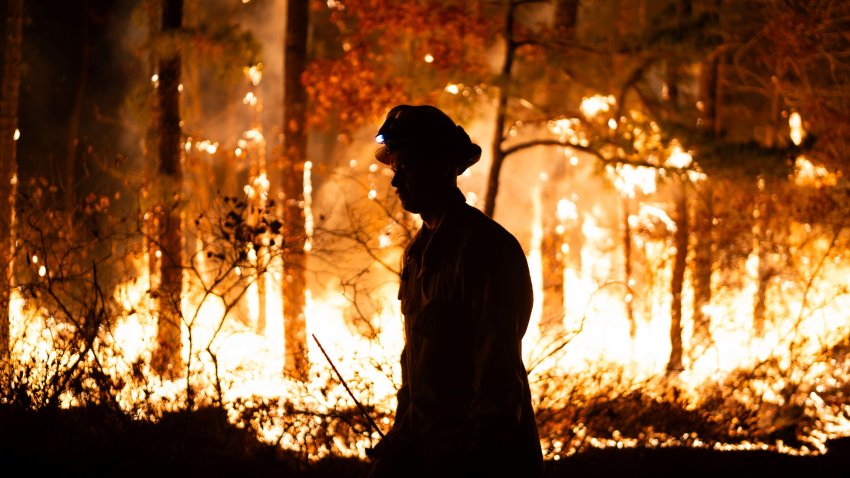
(437, 245)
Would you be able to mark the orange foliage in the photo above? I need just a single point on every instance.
(384, 45)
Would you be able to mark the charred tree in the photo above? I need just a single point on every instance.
(499, 136)
(10, 90)
(575, 240)
(149, 149)
(292, 179)
(627, 265)
(681, 237)
(704, 206)
(680, 241)
(566, 15)
(553, 247)
(73, 151)
(553, 282)
(763, 270)
(764, 235)
(167, 359)
(552, 262)
(703, 260)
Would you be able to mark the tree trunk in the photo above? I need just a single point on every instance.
(296, 364)
(703, 259)
(680, 239)
(566, 14)
(704, 208)
(150, 151)
(72, 153)
(682, 234)
(167, 360)
(9, 96)
(501, 114)
(575, 243)
(761, 212)
(553, 245)
(627, 269)
(552, 258)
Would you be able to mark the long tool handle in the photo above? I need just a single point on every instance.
(350, 394)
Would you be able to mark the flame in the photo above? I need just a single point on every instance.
(795, 123)
(253, 134)
(593, 105)
(308, 205)
(630, 180)
(249, 358)
(807, 173)
(595, 318)
(254, 73)
(567, 210)
(453, 88)
(678, 157)
(207, 146)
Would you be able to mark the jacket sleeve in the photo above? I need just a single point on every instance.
(403, 394)
(500, 378)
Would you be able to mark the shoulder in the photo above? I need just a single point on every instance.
(485, 234)
(491, 251)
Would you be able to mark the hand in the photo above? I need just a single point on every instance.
(386, 461)
(391, 459)
(384, 448)
(384, 469)
(375, 452)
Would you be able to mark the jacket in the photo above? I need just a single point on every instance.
(466, 297)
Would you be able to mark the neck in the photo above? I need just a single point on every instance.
(432, 219)
(433, 216)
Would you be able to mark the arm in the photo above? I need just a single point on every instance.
(403, 394)
(500, 379)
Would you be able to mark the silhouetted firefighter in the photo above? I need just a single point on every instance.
(464, 407)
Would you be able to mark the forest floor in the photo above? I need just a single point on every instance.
(91, 442)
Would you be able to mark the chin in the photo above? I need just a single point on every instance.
(410, 207)
(408, 204)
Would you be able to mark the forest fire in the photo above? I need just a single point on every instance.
(690, 290)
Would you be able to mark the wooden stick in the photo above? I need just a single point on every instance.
(350, 394)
